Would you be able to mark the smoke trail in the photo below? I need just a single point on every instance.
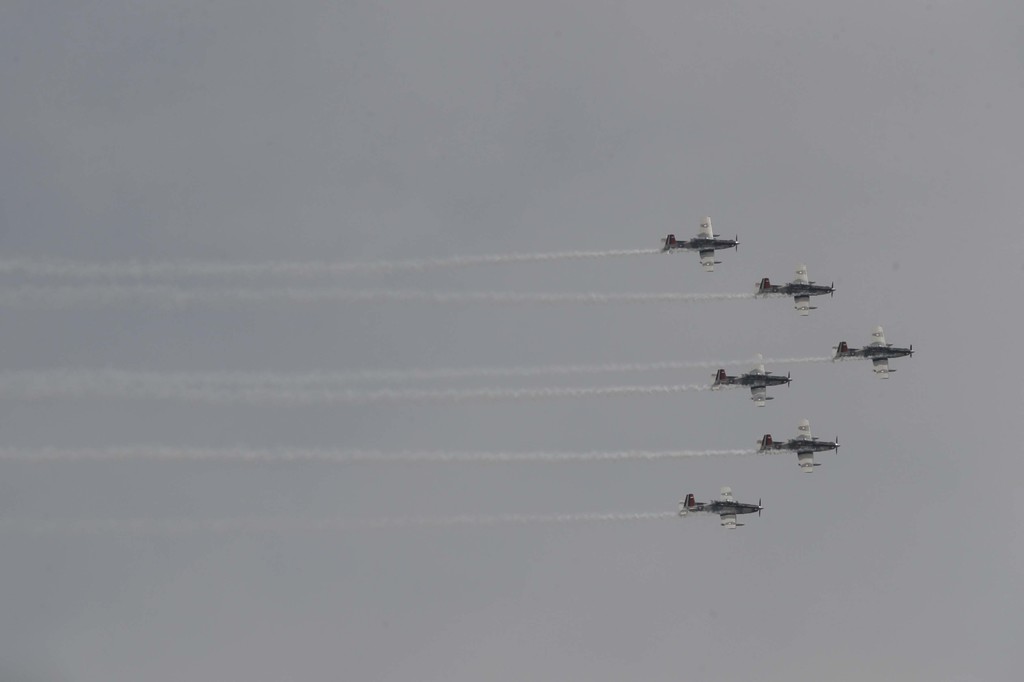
(796, 361)
(26, 386)
(304, 269)
(66, 296)
(273, 525)
(399, 375)
(41, 383)
(160, 453)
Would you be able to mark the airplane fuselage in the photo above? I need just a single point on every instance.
(797, 445)
(872, 352)
(702, 244)
(760, 380)
(885, 352)
(799, 289)
(719, 507)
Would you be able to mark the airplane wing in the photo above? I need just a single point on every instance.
(881, 367)
(803, 304)
(801, 274)
(729, 521)
(726, 495)
(759, 394)
(707, 259)
(705, 228)
(878, 337)
(806, 461)
(803, 430)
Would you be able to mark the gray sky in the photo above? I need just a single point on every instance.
(878, 143)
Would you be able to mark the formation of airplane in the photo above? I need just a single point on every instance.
(801, 289)
(878, 351)
(804, 445)
(704, 243)
(757, 379)
(725, 506)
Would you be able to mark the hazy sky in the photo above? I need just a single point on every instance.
(879, 143)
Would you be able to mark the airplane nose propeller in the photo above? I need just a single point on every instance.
(832, 290)
(759, 507)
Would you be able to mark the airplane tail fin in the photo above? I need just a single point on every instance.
(686, 504)
(670, 241)
(720, 378)
(766, 442)
(764, 285)
(841, 350)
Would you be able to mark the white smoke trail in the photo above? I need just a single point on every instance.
(29, 387)
(79, 381)
(304, 269)
(67, 296)
(245, 455)
(797, 361)
(398, 375)
(276, 525)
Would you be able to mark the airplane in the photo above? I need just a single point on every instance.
(878, 351)
(805, 445)
(801, 289)
(705, 243)
(725, 506)
(758, 379)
